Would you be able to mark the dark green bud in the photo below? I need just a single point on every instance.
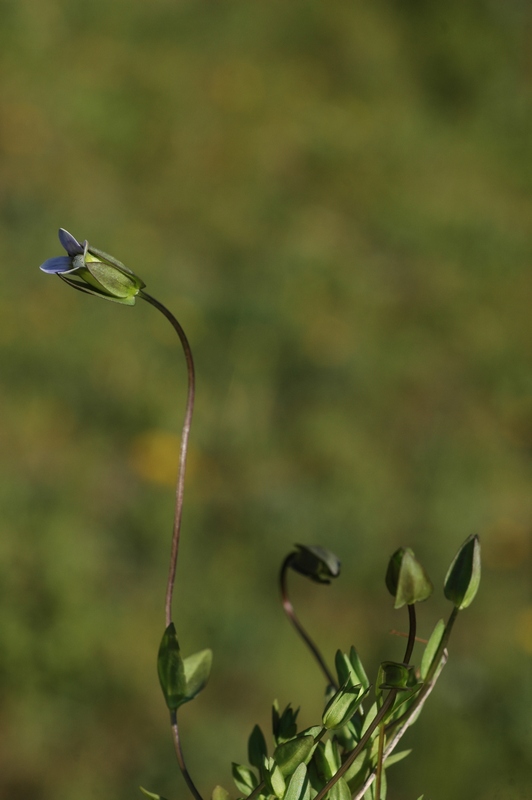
(316, 563)
(463, 577)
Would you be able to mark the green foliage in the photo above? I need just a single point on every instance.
(171, 669)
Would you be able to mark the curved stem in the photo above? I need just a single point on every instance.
(182, 453)
(411, 634)
(291, 614)
(179, 755)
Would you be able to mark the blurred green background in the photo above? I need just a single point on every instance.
(335, 199)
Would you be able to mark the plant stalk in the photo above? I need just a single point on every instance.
(178, 514)
(291, 614)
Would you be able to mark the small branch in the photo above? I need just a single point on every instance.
(180, 758)
(404, 723)
(291, 614)
(183, 451)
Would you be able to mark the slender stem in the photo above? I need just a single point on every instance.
(408, 655)
(183, 451)
(379, 764)
(179, 755)
(291, 614)
(411, 634)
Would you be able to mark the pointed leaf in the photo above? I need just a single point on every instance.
(358, 667)
(298, 784)
(342, 706)
(340, 790)
(257, 748)
(431, 648)
(197, 672)
(273, 778)
(245, 780)
(396, 757)
(463, 578)
(171, 669)
(291, 754)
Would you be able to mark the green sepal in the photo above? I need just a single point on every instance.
(299, 785)
(245, 780)
(197, 672)
(151, 795)
(291, 754)
(83, 287)
(316, 563)
(284, 725)
(397, 676)
(463, 578)
(342, 706)
(257, 748)
(219, 793)
(406, 579)
(171, 669)
(431, 648)
(340, 790)
(110, 279)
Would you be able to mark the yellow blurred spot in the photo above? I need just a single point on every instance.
(524, 630)
(506, 545)
(154, 457)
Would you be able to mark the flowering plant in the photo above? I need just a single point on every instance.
(347, 753)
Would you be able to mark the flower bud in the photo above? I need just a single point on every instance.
(316, 563)
(406, 579)
(463, 577)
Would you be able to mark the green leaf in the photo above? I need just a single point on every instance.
(273, 777)
(257, 748)
(219, 793)
(316, 563)
(359, 669)
(340, 790)
(431, 648)
(197, 672)
(396, 757)
(171, 669)
(406, 579)
(151, 795)
(245, 780)
(284, 725)
(291, 754)
(463, 578)
(298, 786)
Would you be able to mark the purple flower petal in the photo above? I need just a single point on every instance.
(57, 264)
(71, 245)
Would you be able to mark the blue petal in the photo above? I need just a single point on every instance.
(57, 264)
(71, 245)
